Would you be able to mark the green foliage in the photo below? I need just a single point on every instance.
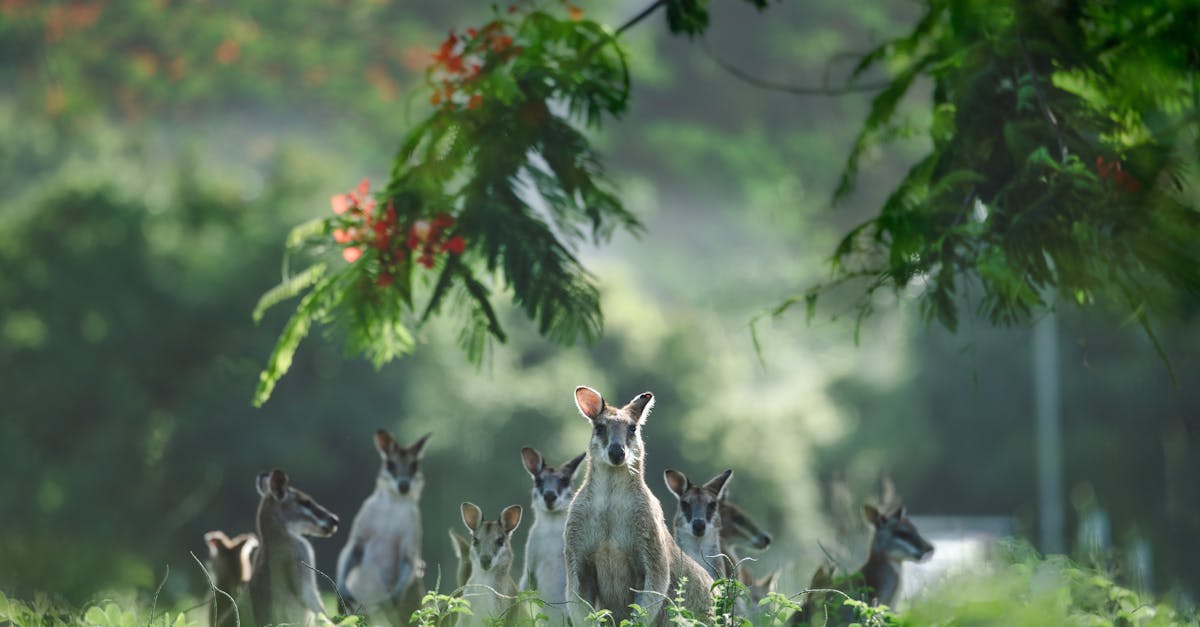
(502, 169)
(1060, 140)
(440, 609)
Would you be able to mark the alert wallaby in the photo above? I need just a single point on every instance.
(491, 589)
(545, 564)
(738, 528)
(229, 560)
(380, 567)
(618, 548)
(697, 521)
(462, 550)
(283, 586)
(894, 540)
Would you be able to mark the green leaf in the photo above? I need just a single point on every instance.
(288, 289)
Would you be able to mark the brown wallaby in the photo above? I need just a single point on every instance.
(545, 564)
(738, 528)
(697, 521)
(618, 548)
(380, 568)
(491, 589)
(462, 550)
(283, 586)
(894, 540)
(229, 560)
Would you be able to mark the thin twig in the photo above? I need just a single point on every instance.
(212, 583)
(798, 90)
(341, 601)
(630, 23)
(154, 604)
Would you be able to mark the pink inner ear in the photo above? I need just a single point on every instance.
(589, 401)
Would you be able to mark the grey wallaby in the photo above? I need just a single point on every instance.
(617, 545)
(545, 563)
(230, 565)
(283, 586)
(380, 569)
(491, 588)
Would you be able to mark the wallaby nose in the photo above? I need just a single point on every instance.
(485, 562)
(698, 527)
(762, 541)
(550, 497)
(330, 525)
(616, 454)
(403, 486)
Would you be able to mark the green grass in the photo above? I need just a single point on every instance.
(1017, 587)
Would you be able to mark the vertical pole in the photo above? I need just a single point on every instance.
(1048, 433)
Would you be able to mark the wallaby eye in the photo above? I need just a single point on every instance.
(633, 429)
(475, 542)
(601, 429)
(391, 467)
(687, 509)
(712, 509)
(500, 541)
(412, 468)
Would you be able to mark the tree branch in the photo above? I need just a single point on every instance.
(798, 90)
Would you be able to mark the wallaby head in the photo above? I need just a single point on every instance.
(758, 588)
(400, 471)
(230, 557)
(552, 490)
(738, 528)
(698, 513)
(895, 536)
(616, 432)
(491, 540)
(291, 508)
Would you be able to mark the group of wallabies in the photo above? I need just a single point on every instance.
(604, 545)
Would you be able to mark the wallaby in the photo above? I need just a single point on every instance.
(757, 589)
(462, 550)
(894, 540)
(229, 560)
(697, 521)
(491, 589)
(618, 548)
(545, 564)
(380, 568)
(283, 586)
(738, 528)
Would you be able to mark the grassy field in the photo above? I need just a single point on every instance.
(1018, 587)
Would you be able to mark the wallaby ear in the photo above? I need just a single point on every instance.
(216, 540)
(589, 402)
(247, 554)
(570, 467)
(263, 483)
(640, 407)
(239, 542)
(471, 516)
(461, 546)
(900, 513)
(717, 484)
(510, 518)
(677, 482)
(416, 447)
(384, 442)
(532, 460)
(279, 484)
(872, 515)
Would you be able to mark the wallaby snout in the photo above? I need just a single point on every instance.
(616, 454)
(761, 541)
(698, 528)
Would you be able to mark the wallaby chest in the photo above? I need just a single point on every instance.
(388, 529)
(545, 566)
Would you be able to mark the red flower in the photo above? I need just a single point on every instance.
(351, 254)
(471, 32)
(455, 245)
(474, 101)
(499, 44)
(384, 280)
(363, 186)
(341, 236)
(426, 260)
(441, 221)
(339, 203)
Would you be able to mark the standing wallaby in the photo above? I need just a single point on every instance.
(380, 568)
(545, 564)
(617, 546)
(894, 540)
(462, 550)
(491, 589)
(698, 523)
(283, 586)
(229, 559)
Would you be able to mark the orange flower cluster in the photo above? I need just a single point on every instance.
(1113, 169)
(459, 61)
(360, 228)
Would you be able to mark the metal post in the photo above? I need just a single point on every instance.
(1048, 433)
